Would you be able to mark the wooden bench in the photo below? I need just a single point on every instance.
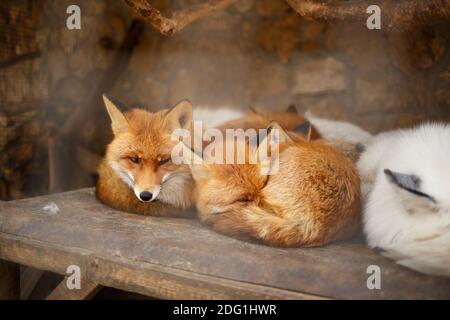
(181, 259)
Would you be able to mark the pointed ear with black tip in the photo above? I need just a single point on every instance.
(407, 182)
(304, 129)
(255, 110)
(276, 134)
(267, 152)
(119, 122)
(292, 109)
(199, 167)
(180, 115)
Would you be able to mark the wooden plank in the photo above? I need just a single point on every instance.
(9, 280)
(179, 250)
(87, 291)
(136, 276)
(28, 281)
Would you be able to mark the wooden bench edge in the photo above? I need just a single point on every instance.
(135, 276)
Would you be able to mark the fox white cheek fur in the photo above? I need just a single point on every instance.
(406, 174)
(173, 189)
(123, 174)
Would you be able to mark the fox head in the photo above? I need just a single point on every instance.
(140, 153)
(417, 177)
(314, 184)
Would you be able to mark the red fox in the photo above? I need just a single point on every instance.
(137, 174)
(292, 120)
(255, 119)
(313, 199)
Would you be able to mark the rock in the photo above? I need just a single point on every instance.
(380, 93)
(442, 93)
(39, 90)
(319, 76)
(184, 86)
(69, 39)
(244, 5)
(281, 36)
(312, 30)
(417, 51)
(271, 8)
(71, 90)
(377, 123)
(57, 62)
(19, 155)
(267, 78)
(329, 108)
(374, 96)
(13, 91)
(81, 61)
(145, 55)
(365, 49)
(6, 132)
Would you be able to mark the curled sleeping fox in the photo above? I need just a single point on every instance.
(313, 198)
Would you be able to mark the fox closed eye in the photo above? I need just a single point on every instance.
(135, 160)
(163, 161)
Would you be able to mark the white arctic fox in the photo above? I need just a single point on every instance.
(339, 130)
(213, 117)
(406, 174)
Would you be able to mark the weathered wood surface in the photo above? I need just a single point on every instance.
(9, 280)
(87, 291)
(395, 15)
(179, 258)
(178, 19)
(28, 281)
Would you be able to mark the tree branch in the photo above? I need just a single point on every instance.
(398, 14)
(178, 19)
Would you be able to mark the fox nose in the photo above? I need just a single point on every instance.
(145, 196)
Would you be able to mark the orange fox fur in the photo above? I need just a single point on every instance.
(289, 120)
(313, 199)
(139, 134)
(255, 119)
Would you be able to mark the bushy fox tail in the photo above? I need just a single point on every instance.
(430, 256)
(288, 231)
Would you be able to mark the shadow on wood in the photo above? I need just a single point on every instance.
(9, 280)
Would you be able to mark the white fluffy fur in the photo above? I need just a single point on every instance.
(413, 230)
(339, 130)
(173, 189)
(213, 117)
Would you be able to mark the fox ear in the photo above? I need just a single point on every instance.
(408, 182)
(199, 168)
(180, 115)
(119, 123)
(267, 151)
(292, 109)
(277, 134)
(305, 129)
(255, 110)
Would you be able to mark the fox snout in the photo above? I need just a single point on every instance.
(145, 196)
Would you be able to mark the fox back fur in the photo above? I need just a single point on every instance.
(312, 199)
(345, 137)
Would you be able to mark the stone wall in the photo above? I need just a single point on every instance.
(256, 53)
